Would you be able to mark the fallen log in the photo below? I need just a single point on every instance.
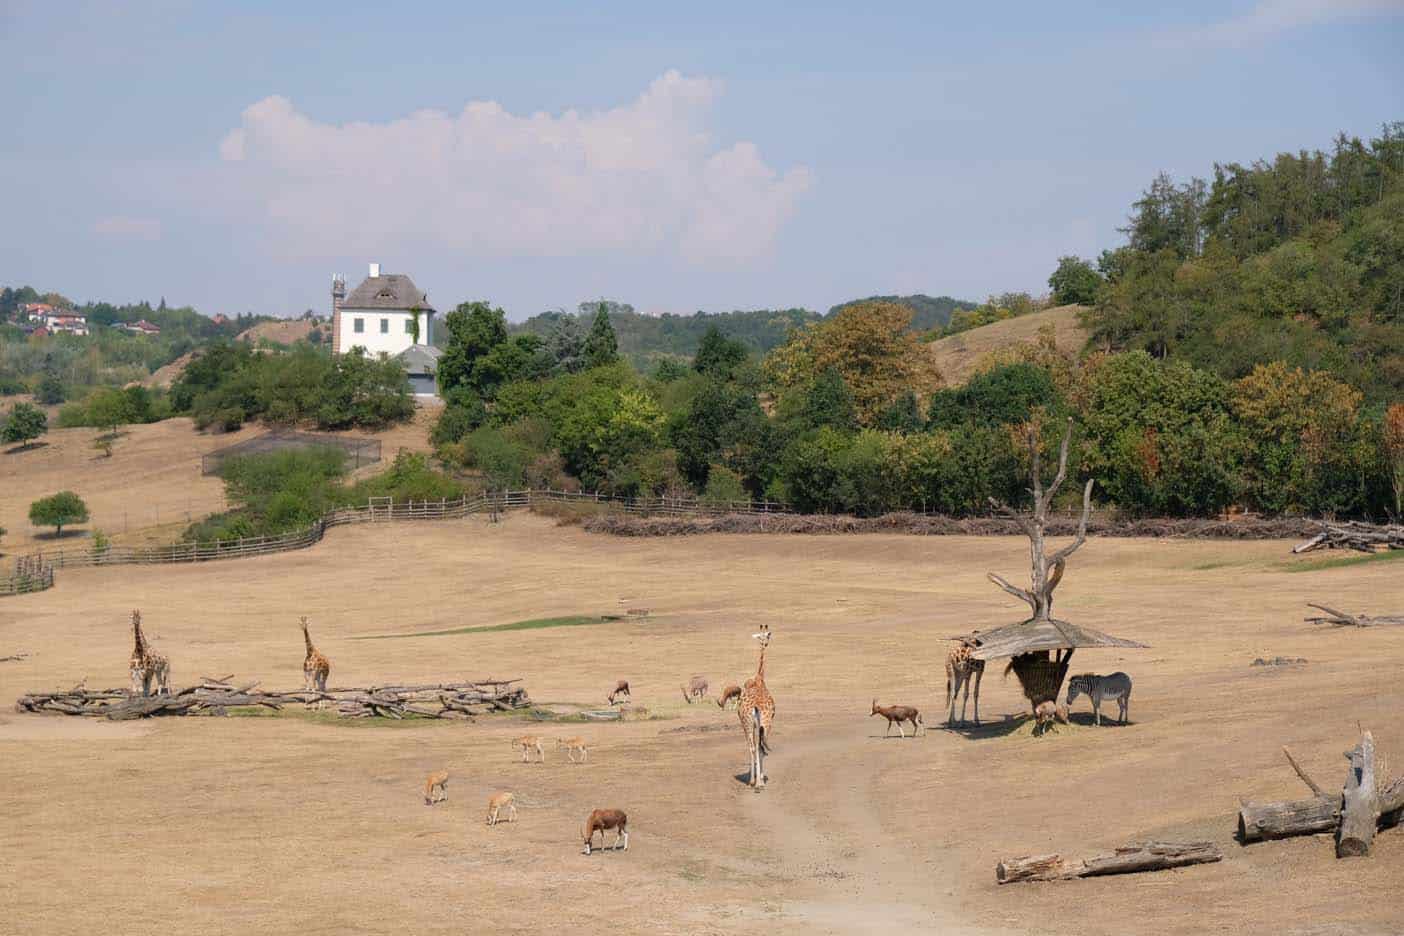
(1321, 812)
(1360, 810)
(1361, 537)
(1129, 859)
(1340, 619)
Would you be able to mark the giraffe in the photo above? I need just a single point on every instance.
(961, 668)
(315, 668)
(147, 664)
(756, 709)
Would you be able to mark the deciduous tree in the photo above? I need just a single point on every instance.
(58, 511)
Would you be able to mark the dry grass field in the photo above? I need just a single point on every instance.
(301, 824)
(957, 356)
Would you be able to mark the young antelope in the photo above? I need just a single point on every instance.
(497, 803)
(572, 746)
(438, 781)
(528, 743)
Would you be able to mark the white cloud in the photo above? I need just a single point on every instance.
(130, 228)
(645, 177)
(1269, 17)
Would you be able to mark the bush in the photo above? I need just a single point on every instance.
(11, 386)
(50, 390)
(724, 487)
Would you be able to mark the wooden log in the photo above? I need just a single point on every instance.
(1360, 811)
(1259, 822)
(1129, 859)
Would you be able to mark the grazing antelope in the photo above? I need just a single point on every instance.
(731, 693)
(497, 803)
(438, 780)
(528, 743)
(602, 819)
(621, 688)
(572, 745)
(695, 689)
(1116, 686)
(896, 715)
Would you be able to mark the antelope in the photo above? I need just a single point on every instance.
(438, 780)
(731, 693)
(602, 819)
(621, 688)
(696, 688)
(897, 714)
(495, 805)
(527, 743)
(572, 745)
(1046, 715)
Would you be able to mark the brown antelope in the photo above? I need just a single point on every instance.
(896, 715)
(602, 819)
(731, 693)
(695, 689)
(572, 745)
(497, 803)
(621, 688)
(528, 743)
(438, 780)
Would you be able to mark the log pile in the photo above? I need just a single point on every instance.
(1361, 537)
(1340, 619)
(1354, 814)
(217, 696)
(1141, 856)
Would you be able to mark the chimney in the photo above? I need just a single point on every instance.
(374, 270)
(338, 297)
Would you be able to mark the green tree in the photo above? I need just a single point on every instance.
(474, 330)
(50, 391)
(718, 356)
(601, 345)
(25, 424)
(109, 409)
(1075, 281)
(567, 344)
(58, 511)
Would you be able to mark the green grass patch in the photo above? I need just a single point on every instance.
(329, 716)
(1392, 555)
(574, 620)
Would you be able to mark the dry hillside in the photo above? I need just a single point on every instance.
(958, 356)
(282, 331)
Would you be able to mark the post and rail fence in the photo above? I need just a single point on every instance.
(35, 572)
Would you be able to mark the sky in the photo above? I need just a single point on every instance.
(710, 157)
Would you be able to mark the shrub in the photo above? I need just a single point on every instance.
(50, 390)
(724, 487)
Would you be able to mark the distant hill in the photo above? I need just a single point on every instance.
(281, 331)
(645, 338)
(958, 355)
(928, 312)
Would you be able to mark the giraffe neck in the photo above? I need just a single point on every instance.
(307, 638)
(760, 669)
(140, 641)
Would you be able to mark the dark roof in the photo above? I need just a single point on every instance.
(391, 291)
(1029, 636)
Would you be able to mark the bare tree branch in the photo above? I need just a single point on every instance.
(1062, 462)
(1016, 591)
(1302, 773)
(1062, 554)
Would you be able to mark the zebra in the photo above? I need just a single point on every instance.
(1116, 686)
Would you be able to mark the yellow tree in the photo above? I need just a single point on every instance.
(870, 345)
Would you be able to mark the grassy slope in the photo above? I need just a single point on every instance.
(958, 355)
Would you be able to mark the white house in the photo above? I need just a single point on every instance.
(386, 314)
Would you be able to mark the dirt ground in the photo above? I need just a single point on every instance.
(302, 824)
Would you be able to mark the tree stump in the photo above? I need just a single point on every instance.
(1359, 802)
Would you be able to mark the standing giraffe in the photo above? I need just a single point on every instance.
(147, 664)
(961, 667)
(756, 709)
(315, 668)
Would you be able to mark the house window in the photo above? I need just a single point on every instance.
(385, 326)
(358, 325)
(409, 326)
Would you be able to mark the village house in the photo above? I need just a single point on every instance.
(142, 327)
(387, 314)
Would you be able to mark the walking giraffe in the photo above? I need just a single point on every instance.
(146, 664)
(756, 709)
(961, 667)
(315, 668)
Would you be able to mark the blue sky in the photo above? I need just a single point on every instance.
(717, 156)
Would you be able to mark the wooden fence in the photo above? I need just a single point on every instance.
(31, 575)
(378, 510)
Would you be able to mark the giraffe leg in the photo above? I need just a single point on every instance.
(979, 674)
(965, 700)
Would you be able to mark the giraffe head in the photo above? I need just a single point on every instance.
(763, 636)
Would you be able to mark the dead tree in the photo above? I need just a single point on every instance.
(1046, 571)
(1129, 859)
(1042, 677)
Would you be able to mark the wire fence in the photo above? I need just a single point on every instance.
(377, 510)
(358, 451)
(30, 575)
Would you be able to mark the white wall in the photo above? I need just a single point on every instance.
(393, 341)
